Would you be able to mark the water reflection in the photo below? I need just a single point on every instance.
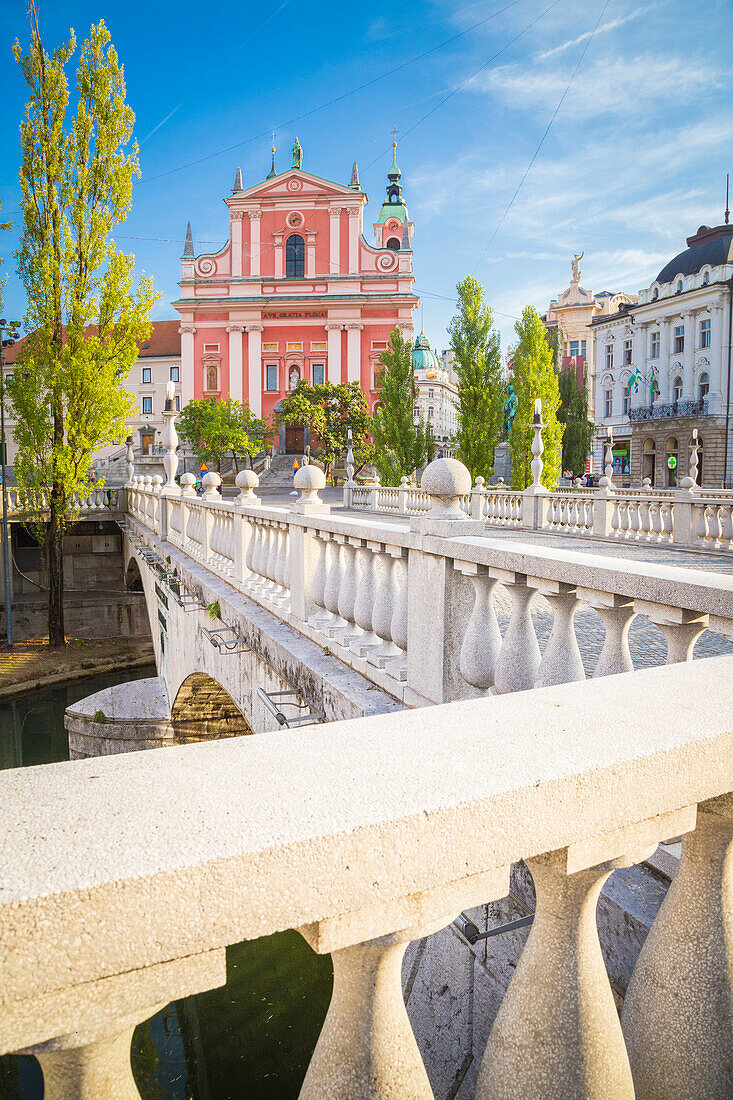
(254, 1037)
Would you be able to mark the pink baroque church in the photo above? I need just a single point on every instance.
(296, 292)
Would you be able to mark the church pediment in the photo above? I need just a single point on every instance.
(293, 183)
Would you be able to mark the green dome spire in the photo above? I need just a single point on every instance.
(423, 356)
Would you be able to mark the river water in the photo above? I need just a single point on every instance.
(250, 1040)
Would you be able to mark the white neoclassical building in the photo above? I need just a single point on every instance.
(663, 368)
(436, 394)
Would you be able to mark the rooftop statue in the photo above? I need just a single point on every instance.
(510, 408)
(574, 263)
(297, 154)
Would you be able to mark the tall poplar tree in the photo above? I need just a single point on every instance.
(84, 316)
(535, 376)
(400, 445)
(577, 436)
(481, 387)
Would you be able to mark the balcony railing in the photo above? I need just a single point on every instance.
(672, 411)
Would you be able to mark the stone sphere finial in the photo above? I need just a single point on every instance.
(445, 480)
(247, 481)
(211, 482)
(187, 485)
(148, 481)
(157, 483)
(480, 482)
(309, 479)
(404, 482)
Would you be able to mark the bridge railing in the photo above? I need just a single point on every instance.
(98, 500)
(437, 609)
(123, 885)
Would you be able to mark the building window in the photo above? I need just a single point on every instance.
(680, 286)
(574, 348)
(706, 278)
(295, 257)
(705, 333)
(147, 375)
(318, 374)
(174, 374)
(582, 348)
(271, 383)
(430, 412)
(628, 346)
(625, 402)
(679, 339)
(178, 403)
(677, 389)
(654, 349)
(609, 356)
(430, 393)
(704, 386)
(655, 294)
(147, 405)
(393, 244)
(608, 402)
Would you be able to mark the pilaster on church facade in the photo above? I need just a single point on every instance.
(297, 292)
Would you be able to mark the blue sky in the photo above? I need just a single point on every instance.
(634, 161)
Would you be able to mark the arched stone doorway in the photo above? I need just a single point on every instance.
(203, 710)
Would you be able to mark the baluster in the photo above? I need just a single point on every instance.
(272, 589)
(398, 626)
(644, 525)
(681, 629)
(617, 614)
(482, 640)
(384, 605)
(318, 585)
(677, 1017)
(561, 662)
(284, 577)
(666, 511)
(519, 657)
(616, 518)
(557, 1032)
(260, 551)
(333, 586)
(633, 519)
(655, 520)
(709, 523)
(348, 589)
(367, 1050)
(726, 525)
(364, 604)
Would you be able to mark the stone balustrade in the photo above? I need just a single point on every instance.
(125, 877)
(416, 607)
(98, 500)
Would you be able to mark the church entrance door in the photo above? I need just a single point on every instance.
(294, 439)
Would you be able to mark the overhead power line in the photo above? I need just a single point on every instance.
(536, 153)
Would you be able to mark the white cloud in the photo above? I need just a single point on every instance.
(603, 29)
(610, 86)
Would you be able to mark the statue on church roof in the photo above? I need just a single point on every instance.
(575, 264)
(297, 154)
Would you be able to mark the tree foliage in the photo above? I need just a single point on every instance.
(577, 436)
(481, 387)
(329, 410)
(535, 376)
(401, 446)
(85, 317)
(214, 428)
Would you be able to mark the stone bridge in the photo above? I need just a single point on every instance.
(481, 756)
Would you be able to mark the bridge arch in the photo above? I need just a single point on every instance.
(203, 710)
(133, 577)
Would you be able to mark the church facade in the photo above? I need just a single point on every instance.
(297, 292)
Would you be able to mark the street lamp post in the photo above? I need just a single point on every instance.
(11, 328)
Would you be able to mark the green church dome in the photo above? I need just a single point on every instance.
(423, 356)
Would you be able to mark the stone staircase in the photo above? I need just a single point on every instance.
(280, 474)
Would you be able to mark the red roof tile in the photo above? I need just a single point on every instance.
(164, 339)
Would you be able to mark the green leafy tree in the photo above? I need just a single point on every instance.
(535, 376)
(214, 429)
(84, 316)
(400, 445)
(481, 387)
(329, 411)
(577, 435)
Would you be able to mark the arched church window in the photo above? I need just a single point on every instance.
(295, 257)
(394, 244)
(680, 286)
(677, 389)
(704, 385)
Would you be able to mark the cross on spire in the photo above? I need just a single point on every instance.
(395, 132)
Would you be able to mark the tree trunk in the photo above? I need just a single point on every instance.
(55, 563)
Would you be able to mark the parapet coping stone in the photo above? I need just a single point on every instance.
(125, 861)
